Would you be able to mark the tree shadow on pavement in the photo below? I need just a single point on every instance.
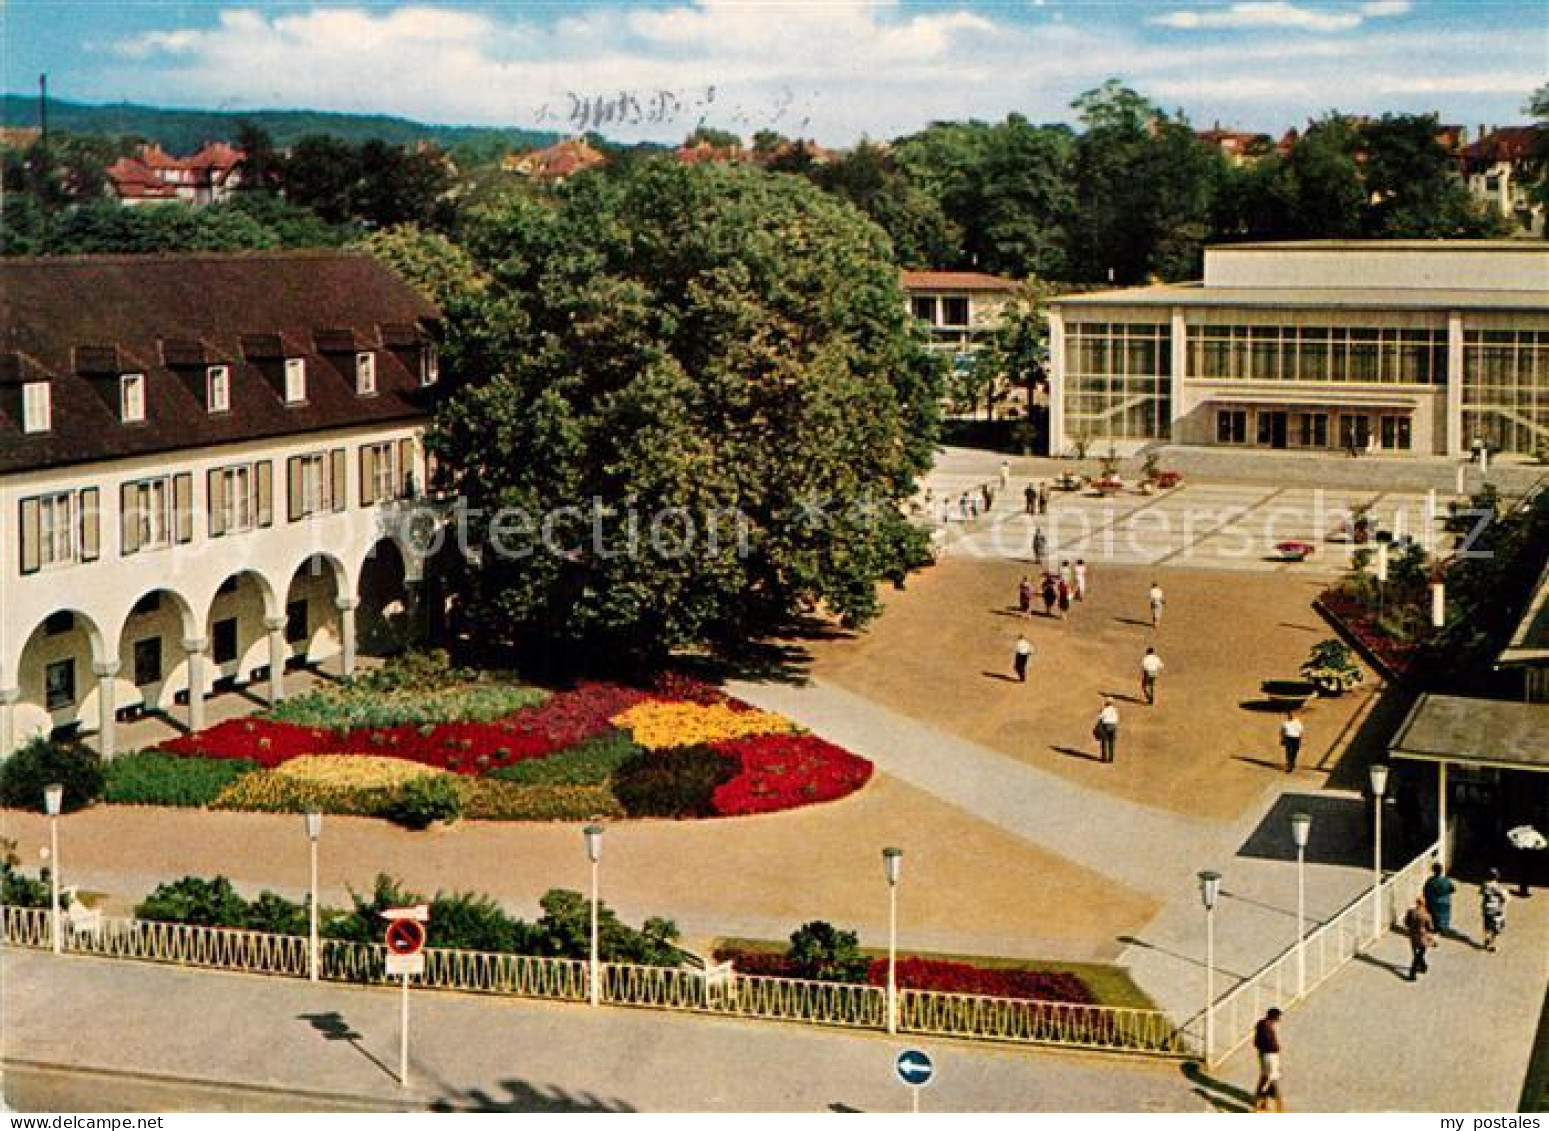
(521, 1096)
(1218, 1093)
(334, 1027)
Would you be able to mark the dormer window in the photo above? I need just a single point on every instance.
(295, 380)
(217, 389)
(365, 374)
(131, 398)
(37, 408)
(430, 364)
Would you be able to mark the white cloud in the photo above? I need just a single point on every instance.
(1280, 14)
(833, 70)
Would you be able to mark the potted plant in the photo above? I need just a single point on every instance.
(1331, 668)
(1294, 551)
(1167, 479)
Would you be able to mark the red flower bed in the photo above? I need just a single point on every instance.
(256, 740)
(784, 771)
(963, 978)
(1357, 620)
(573, 716)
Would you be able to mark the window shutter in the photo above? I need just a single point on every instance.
(128, 524)
(216, 494)
(338, 480)
(405, 467)
(263, 492)
(293, 486)
(32, 534)
(183, 507)
(91, 524)
(367, 475)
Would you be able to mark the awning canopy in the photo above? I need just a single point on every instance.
(1300, 400)
(1475, 732)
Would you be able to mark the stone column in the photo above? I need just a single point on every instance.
(347, 607)
(1179, 362)
(9, 697)
(1456, 444)
(278, 654)
(107, 707)
(195, 646)
(1057, 440)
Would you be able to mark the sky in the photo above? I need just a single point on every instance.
(835, 70)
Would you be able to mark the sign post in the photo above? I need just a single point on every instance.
(405, 941)
(915, 1070)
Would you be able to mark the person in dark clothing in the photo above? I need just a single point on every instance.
(1438, 893)
(1030, 499)
(1266, 1042)
(1050, 593)
(1421, 929)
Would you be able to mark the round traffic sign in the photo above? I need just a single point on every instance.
(405, 936)
(914, 1067)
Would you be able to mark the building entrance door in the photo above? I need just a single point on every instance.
(1355, 431)
(1273, 431)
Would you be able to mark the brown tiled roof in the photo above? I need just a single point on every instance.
(133, 179)
(169, 315)
(955, 281)
(1509, 143)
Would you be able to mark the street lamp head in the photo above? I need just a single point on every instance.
(893, 864)
(1301, 827)
(53, 799)
(314, 821)
(1209, 888)
(1379, 779)
(593, 834)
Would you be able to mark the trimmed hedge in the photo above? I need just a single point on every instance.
(150, 777)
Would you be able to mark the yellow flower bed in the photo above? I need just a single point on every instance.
(661, 726)
(355, 771)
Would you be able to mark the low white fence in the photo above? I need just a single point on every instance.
(1328, 948)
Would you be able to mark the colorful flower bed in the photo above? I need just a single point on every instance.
(1393, 657)
(592, 735)
(940, 975)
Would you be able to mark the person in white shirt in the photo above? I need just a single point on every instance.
(1291, 739)
(1005, 474)
(1024, 652)
(1150, 668)
(1080, 585)
(1107, 730)
(1157, 601)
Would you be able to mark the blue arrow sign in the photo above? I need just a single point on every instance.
(914, 1068)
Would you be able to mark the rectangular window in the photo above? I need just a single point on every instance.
(56, 529)
(365, 374)
(296, 622)
(311, 484)
(217, 389)
(223, 640)
(924, 308)
(131, 398)
(59, 684)
(1313, 430)
(238, 483)
(1355, 430)
(954, 311)
(37, 410)
(378, 475)
(147, 661)
(295, 380)
(1232, 426)
(1396, 433)
(430, 364)
(146, 521)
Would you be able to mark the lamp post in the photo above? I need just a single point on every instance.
(1209, 892)
(314, 825)
(1438, 604)
(1382, 577)
(593, 834)
(892, 866)
(1301, 827)
(1379, 784)
(53, 802)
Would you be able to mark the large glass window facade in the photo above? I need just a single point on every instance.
(1506, 389)
(1118, 380)
(1384, 355)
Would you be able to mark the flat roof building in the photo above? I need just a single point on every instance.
(1395, 346)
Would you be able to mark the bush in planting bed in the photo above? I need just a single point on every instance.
(420, 803)
(673, 783)
(42, 762)
(591, 763)
(150, 777)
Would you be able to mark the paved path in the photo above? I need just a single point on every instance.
(483, 1054)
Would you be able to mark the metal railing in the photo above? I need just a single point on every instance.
(1328, 948)
(751, 997)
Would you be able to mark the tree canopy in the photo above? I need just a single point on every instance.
(704, 394)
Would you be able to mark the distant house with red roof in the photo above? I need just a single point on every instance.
(958, 308)
(1237, 146)
(556, 163)
(1497, 169)
(703, 153)
(154, 176)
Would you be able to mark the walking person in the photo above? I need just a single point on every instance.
(1025, 596)
(1157, 601)
(962, 506)
(1050, 593)
(1005, 474)
(1438, 892)
(1040, 546)
(1022, 653)
(1107, 730)
(989, 497)
(1150, 668)
(1080, 583)
(1266, 1042)
(1043, 498)
(1030, 499)
(1068, 575)
(1421, 929)
(1291, 740)
(1492, 908)
(1062, 592)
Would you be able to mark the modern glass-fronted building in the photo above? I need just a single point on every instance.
(1399, 346)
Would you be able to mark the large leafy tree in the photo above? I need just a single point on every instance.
(703, 402)
(868, 178)
(1412, 183)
